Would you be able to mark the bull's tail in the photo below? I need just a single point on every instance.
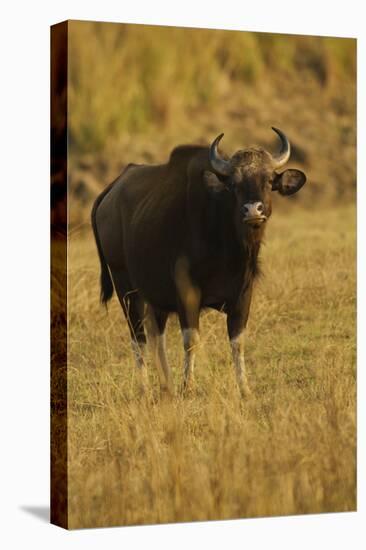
(106, 284)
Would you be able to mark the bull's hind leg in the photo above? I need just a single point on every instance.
(155, 324)
(133, 307)
(188, 305)
(191, 339)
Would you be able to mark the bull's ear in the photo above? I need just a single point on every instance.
(289, 182)
(212, 182)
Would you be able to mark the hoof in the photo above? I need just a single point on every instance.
(166, 392)
(143, 382)
(187, 389)
(245, 392)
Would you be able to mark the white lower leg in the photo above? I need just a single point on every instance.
(237, 350)
(138, 349)
(157, 342)
(164, 363)
(190, 340)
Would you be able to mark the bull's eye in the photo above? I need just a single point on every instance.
(230, 185)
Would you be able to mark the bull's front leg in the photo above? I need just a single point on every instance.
(237, 318)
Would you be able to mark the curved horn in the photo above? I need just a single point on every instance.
(220, 165)
(285, 152)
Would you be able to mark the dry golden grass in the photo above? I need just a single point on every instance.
(289, 450)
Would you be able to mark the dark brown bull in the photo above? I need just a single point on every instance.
(185, 235)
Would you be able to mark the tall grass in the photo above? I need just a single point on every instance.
(131, 79)
(288, 450)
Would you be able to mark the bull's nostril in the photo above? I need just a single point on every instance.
(252, 209)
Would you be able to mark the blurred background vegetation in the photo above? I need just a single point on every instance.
(136, 91)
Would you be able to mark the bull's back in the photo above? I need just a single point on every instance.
(141, 224)
(155, 229)
(109, 226)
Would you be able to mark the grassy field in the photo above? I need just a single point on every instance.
(290, 449)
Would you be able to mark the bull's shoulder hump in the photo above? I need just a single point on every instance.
(185, 153)
(137, 171)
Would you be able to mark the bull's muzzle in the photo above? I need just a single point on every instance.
(253, 213)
